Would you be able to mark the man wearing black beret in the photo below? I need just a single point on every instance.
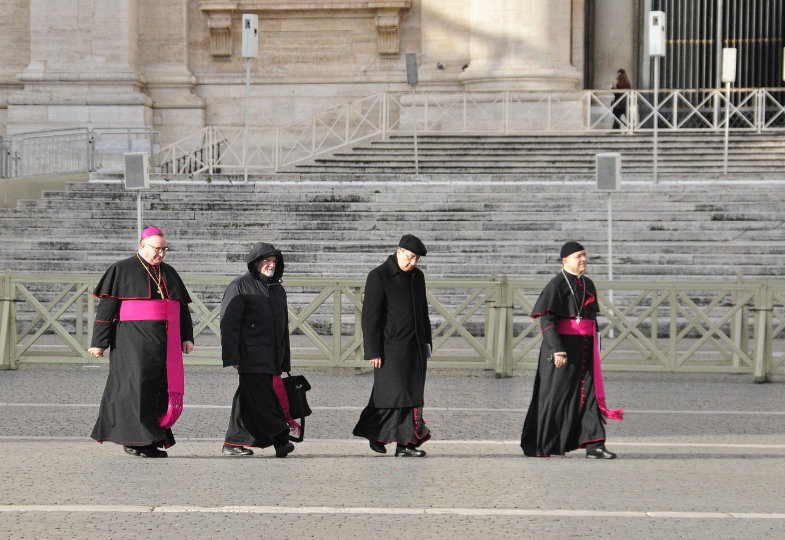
(397, 343)
(568, 408)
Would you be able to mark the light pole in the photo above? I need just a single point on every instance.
(412, 79)
(250, 50)
(728, 77)
(656, 51)
(608, 175)
(136, 173)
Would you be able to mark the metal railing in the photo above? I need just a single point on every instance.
(756, 110)
(221, 149)
(5, 158)
(734, 327)
(77, 150)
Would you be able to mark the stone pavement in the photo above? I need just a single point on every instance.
(700, 456)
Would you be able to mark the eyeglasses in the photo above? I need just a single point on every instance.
(410, 258)
(159, 250)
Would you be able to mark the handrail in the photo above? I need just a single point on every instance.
(378, 116)
(477, 324)
(5, 158)
(74, 150)
(219, 149)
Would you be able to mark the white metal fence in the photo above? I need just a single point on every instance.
(76, 150)
(220, 149)
(5, 159)
(225, 149)
(736, 327)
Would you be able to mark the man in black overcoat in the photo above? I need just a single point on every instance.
(567, 409)
(397, 343)
(255, 341)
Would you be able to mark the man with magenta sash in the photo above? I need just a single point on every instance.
(143, 317)
(568, 409)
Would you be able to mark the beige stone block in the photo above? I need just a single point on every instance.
(120, 116)
(14, 37)
(68, 114)
(26, 118)
(176, 124)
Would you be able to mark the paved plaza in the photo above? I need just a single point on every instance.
(700, 456)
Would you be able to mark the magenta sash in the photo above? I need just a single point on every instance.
(169, 311)
(280, 390)
(586, 327)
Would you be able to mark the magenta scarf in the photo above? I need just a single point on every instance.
(586, 327)
(169, 311)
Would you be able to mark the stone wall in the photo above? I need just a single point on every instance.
(176, 65)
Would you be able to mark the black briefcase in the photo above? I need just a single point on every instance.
(296, 387)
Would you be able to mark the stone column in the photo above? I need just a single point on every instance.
(163, 61)
(14, 52)
(520, 45)
(82, 69)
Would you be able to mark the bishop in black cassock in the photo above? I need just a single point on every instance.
(136, 395)
(568, 410)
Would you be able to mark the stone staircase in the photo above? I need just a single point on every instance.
(337, 225)
(680, 156)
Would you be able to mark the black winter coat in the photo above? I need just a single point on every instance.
(254, 319)
(396, 327)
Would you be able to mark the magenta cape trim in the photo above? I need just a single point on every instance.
(586, 327)
(169, 311)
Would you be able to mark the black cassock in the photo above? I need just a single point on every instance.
(563, 414)
(136, 392)
(255, 338)
(396, 328)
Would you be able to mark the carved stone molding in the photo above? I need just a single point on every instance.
(220, 25)
(387, 28)
(386, 15)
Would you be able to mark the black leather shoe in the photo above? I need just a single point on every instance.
(599, 452)
(131, 450)
(376, 446)
(285, 450)
(408, 451)
(230, 450)
(152, 451)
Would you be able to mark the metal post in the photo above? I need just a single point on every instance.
(656, 110)
(245, 119)
(384, 112)
(414, 121)
(7, 323)
(727, 124)
(762, 333)
(610, 254)
(139, 214)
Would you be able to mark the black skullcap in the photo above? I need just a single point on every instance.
(413, 244)
(569, 248)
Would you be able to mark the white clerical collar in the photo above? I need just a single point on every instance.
(571, 273)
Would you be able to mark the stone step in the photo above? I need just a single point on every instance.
(474, 225)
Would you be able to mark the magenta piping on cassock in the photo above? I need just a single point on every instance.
(587, 327)
(169, 311)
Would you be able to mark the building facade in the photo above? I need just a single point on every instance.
(176, 65)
